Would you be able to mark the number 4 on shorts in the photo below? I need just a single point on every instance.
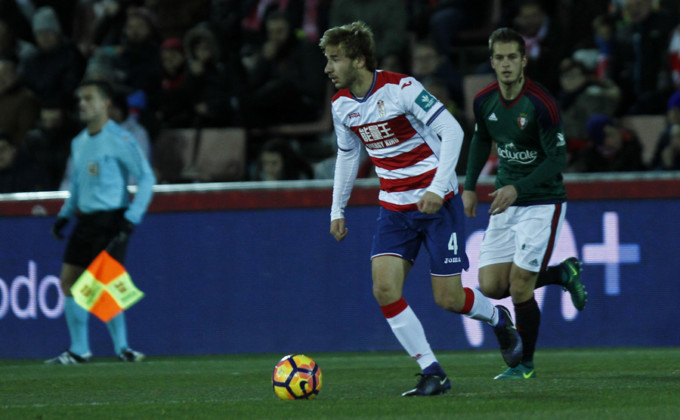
(453, 243)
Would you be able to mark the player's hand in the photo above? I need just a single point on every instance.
(502, 199)
(470, 203)
(338, 229)
(58, 226)
(125, 228)
(430, 203)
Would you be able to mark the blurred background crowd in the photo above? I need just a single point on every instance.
(244, 79)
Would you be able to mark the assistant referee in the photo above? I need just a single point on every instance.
(104, 155)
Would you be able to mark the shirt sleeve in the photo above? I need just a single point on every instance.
(417, 101)
(346, 168)
(480, 147)
(68, 209)
(137, 165)
(451, 134)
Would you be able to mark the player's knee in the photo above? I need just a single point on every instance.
(522, 283)
(385, 293)
(493, 290)
(521, 291)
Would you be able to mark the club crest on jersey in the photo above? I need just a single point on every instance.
(522, 121)
(425, 100)
(381, 108)
(93, 169)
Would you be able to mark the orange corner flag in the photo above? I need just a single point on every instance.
(105, 288)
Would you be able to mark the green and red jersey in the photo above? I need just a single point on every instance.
(530, 140)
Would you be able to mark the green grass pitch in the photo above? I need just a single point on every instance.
(602, 383)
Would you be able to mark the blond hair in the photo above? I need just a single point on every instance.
(355, 39)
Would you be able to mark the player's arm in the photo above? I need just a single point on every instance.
(451, 134)
(136, 163)
(68, 209)
(346, 169)
(416, 101)
(480, 148)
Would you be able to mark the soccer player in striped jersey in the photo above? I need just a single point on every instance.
(529, 200)
(414, 143)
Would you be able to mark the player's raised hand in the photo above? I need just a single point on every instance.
(430, 203)
(338, 229)
(470, 203)
(502, 199)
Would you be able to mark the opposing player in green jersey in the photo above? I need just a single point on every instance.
(529, 198)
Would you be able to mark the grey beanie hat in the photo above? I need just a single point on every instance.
(45, 19)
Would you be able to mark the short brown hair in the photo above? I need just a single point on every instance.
(506, 35)
(104, 87)
(355, 39)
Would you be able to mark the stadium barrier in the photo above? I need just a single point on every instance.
(251, 267)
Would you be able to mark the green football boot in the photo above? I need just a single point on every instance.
(521, 371)
(572, 282)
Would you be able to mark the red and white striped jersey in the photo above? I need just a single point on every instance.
(393, 123)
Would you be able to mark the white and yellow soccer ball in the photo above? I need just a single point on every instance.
(296, 377)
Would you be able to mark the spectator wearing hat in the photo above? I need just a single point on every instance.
(171, 101)
(212, 87)
(19, 107)
(54, 72)
(173, 61)
(665, 143)
(610, 148)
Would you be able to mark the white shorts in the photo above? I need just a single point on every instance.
(525, 235)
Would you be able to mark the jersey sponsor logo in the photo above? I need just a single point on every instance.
(354, 115)
(560, 140)
(522, 121)
(493, 117)
(425, 100)
(385, 133)
(510, 153)
(377, 136)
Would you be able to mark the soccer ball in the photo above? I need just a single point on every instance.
(296, 377)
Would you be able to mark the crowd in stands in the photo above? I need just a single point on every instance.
(256, 65)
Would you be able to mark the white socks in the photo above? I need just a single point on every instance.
(477, 306)
(409, 331)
